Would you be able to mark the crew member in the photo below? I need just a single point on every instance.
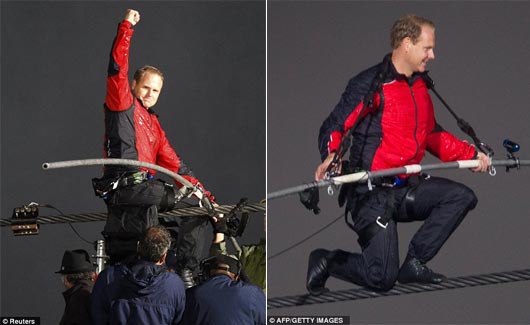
(143, 291)
(78, 276)
(222, 298)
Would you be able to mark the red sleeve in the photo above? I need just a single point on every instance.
(119, 96)
(335, 137)
(168, 158)
(447, 147)
(195, 181)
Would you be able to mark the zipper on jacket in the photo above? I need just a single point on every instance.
(416, 120)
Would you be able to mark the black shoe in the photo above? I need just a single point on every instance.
(413, 270)
(187, 277)
(317, 272)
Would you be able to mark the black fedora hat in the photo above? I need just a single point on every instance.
(76, 261)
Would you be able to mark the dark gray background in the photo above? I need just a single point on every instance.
(481, 68)
(54, 61)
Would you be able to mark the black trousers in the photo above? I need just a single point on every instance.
(440, 203)
(189, 242)
(133, 209)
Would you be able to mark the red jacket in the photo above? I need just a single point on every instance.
(131, 130)
(396, 130)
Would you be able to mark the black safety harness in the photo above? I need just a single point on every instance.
(103, 186)
(310, 197)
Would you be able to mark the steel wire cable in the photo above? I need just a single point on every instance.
(400, 289)
(169, 216)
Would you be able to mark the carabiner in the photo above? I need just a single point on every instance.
(492, 171)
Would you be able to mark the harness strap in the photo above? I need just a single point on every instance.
(169, 199)
(368, 101)
(348, 223)
(380, 223)
(462, 124)
(132, 179)
(103, 186)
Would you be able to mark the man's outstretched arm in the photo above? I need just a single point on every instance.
(119, 96)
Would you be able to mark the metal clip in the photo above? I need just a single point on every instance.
(327, 176)
(113, 187)
(185, 192)
(369, 182)
(378, 221)
(492, 171)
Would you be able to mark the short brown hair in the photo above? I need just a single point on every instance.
(138, 75)
(154, 243)
(407, 26)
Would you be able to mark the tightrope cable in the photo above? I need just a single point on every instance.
(399, 289)
(172, 215)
